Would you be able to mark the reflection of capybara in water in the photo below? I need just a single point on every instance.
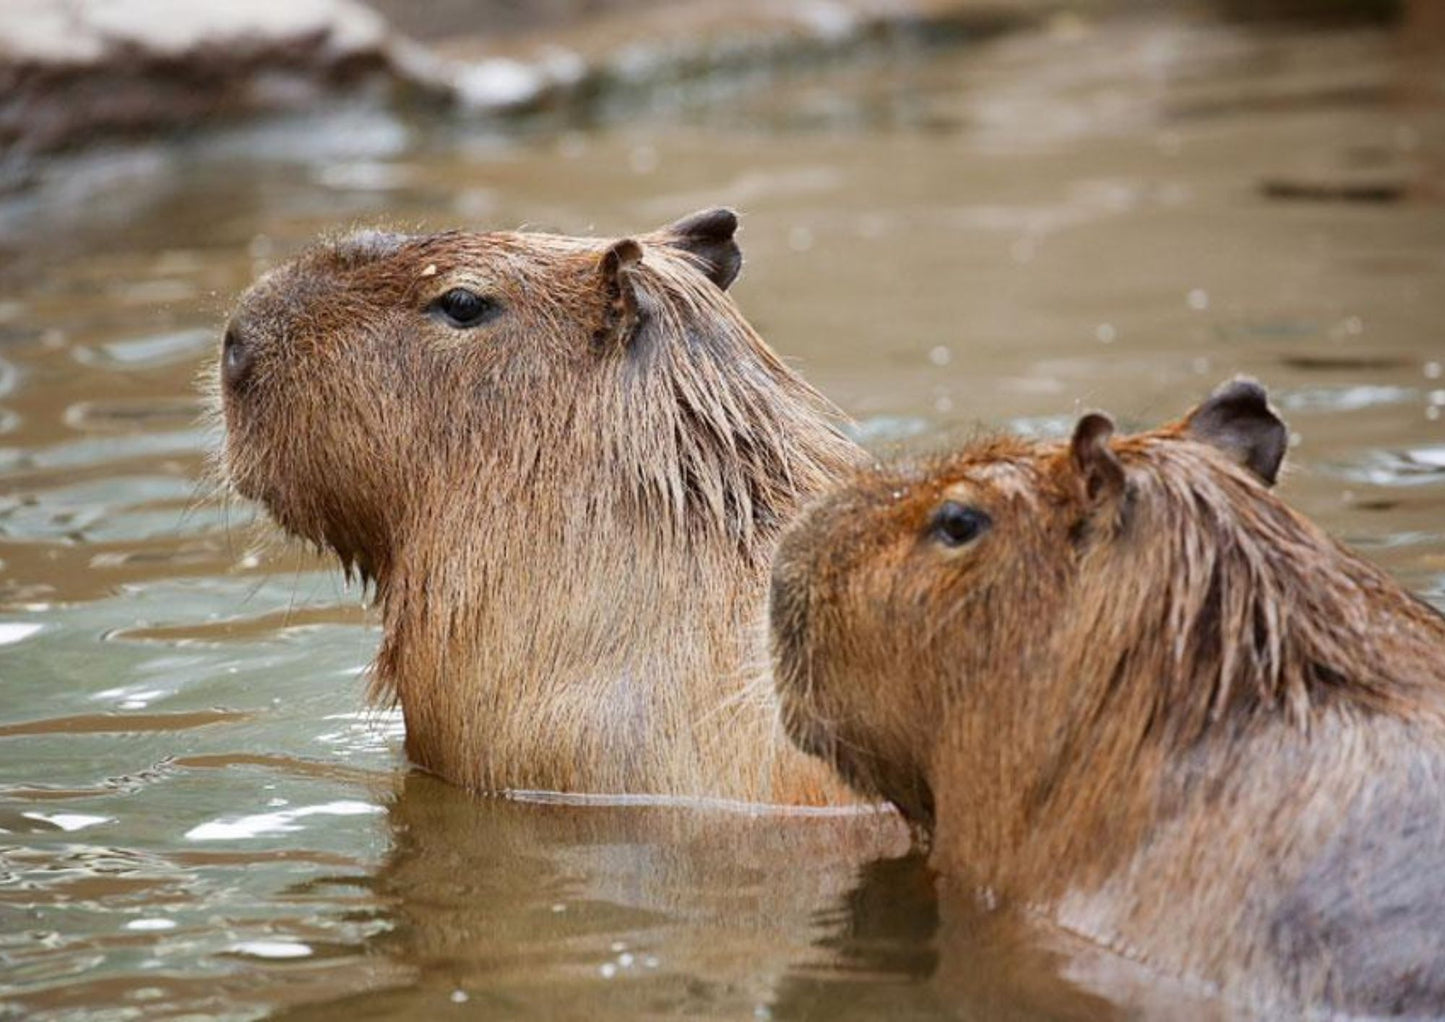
(564, 463)
(1122, 682)
(520, 901)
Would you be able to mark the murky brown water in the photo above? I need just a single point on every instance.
(198, 815)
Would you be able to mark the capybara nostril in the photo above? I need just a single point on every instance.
(237, 354)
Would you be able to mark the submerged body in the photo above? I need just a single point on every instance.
(564, 464)
(1122, 684)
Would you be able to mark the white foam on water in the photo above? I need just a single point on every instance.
(17, 631)
(272, 948)
(68, 821)
(150, 925)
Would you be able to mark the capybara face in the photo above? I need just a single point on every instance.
(897, 599)
(891, 570)
(382, 368)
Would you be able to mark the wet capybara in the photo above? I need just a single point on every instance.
(564, 464)
(1121, 683)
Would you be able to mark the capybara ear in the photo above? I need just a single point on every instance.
(707, 236)
(1100, 474)
(1237, 419)
(619, 291)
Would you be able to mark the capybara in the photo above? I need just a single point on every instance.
(1120, 682)
(563, 463)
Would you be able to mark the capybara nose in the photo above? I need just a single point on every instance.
(237, 354)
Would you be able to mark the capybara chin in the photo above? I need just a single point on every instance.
(564, 464)
(1122, 683)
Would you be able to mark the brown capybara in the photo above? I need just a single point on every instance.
(1121, 683)
(564, 464)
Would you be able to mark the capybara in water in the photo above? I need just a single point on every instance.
(1119, 681)
(564, 464)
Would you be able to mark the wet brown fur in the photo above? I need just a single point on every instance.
(1166, 710)
(567, 512)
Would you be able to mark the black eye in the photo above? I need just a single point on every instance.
(462, 308)
(956, 525)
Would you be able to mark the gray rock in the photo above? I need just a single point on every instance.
(75, 70)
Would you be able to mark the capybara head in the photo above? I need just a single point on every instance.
(914, 590)
(382, 370)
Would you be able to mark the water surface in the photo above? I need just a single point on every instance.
(199, 815)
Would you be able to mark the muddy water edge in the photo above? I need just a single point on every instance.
(199, 814)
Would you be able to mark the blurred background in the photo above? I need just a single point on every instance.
(957, 214)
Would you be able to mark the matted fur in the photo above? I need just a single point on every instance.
(567, 512)
(1177, 717)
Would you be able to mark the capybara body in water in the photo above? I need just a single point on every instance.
(564, 464)
(1122, 683)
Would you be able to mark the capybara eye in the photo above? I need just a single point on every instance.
(956, 524)
(462, 308)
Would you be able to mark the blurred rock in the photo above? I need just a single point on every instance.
(439, 20)
(74, 70)
(608, 49)
(1351, 188)
(1314, 11)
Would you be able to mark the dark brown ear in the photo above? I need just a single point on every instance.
(707, 236)
(1100, 474)
(1237, 419)
(619, 291)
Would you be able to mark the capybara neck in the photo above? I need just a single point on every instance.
(564, 463)
(1122, 683)
(610, 590)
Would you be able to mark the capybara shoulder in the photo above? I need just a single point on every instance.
(564, 464)
(1119, 677)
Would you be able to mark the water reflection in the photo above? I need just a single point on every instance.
(554, 909)
(519, 908)
(899, 951)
